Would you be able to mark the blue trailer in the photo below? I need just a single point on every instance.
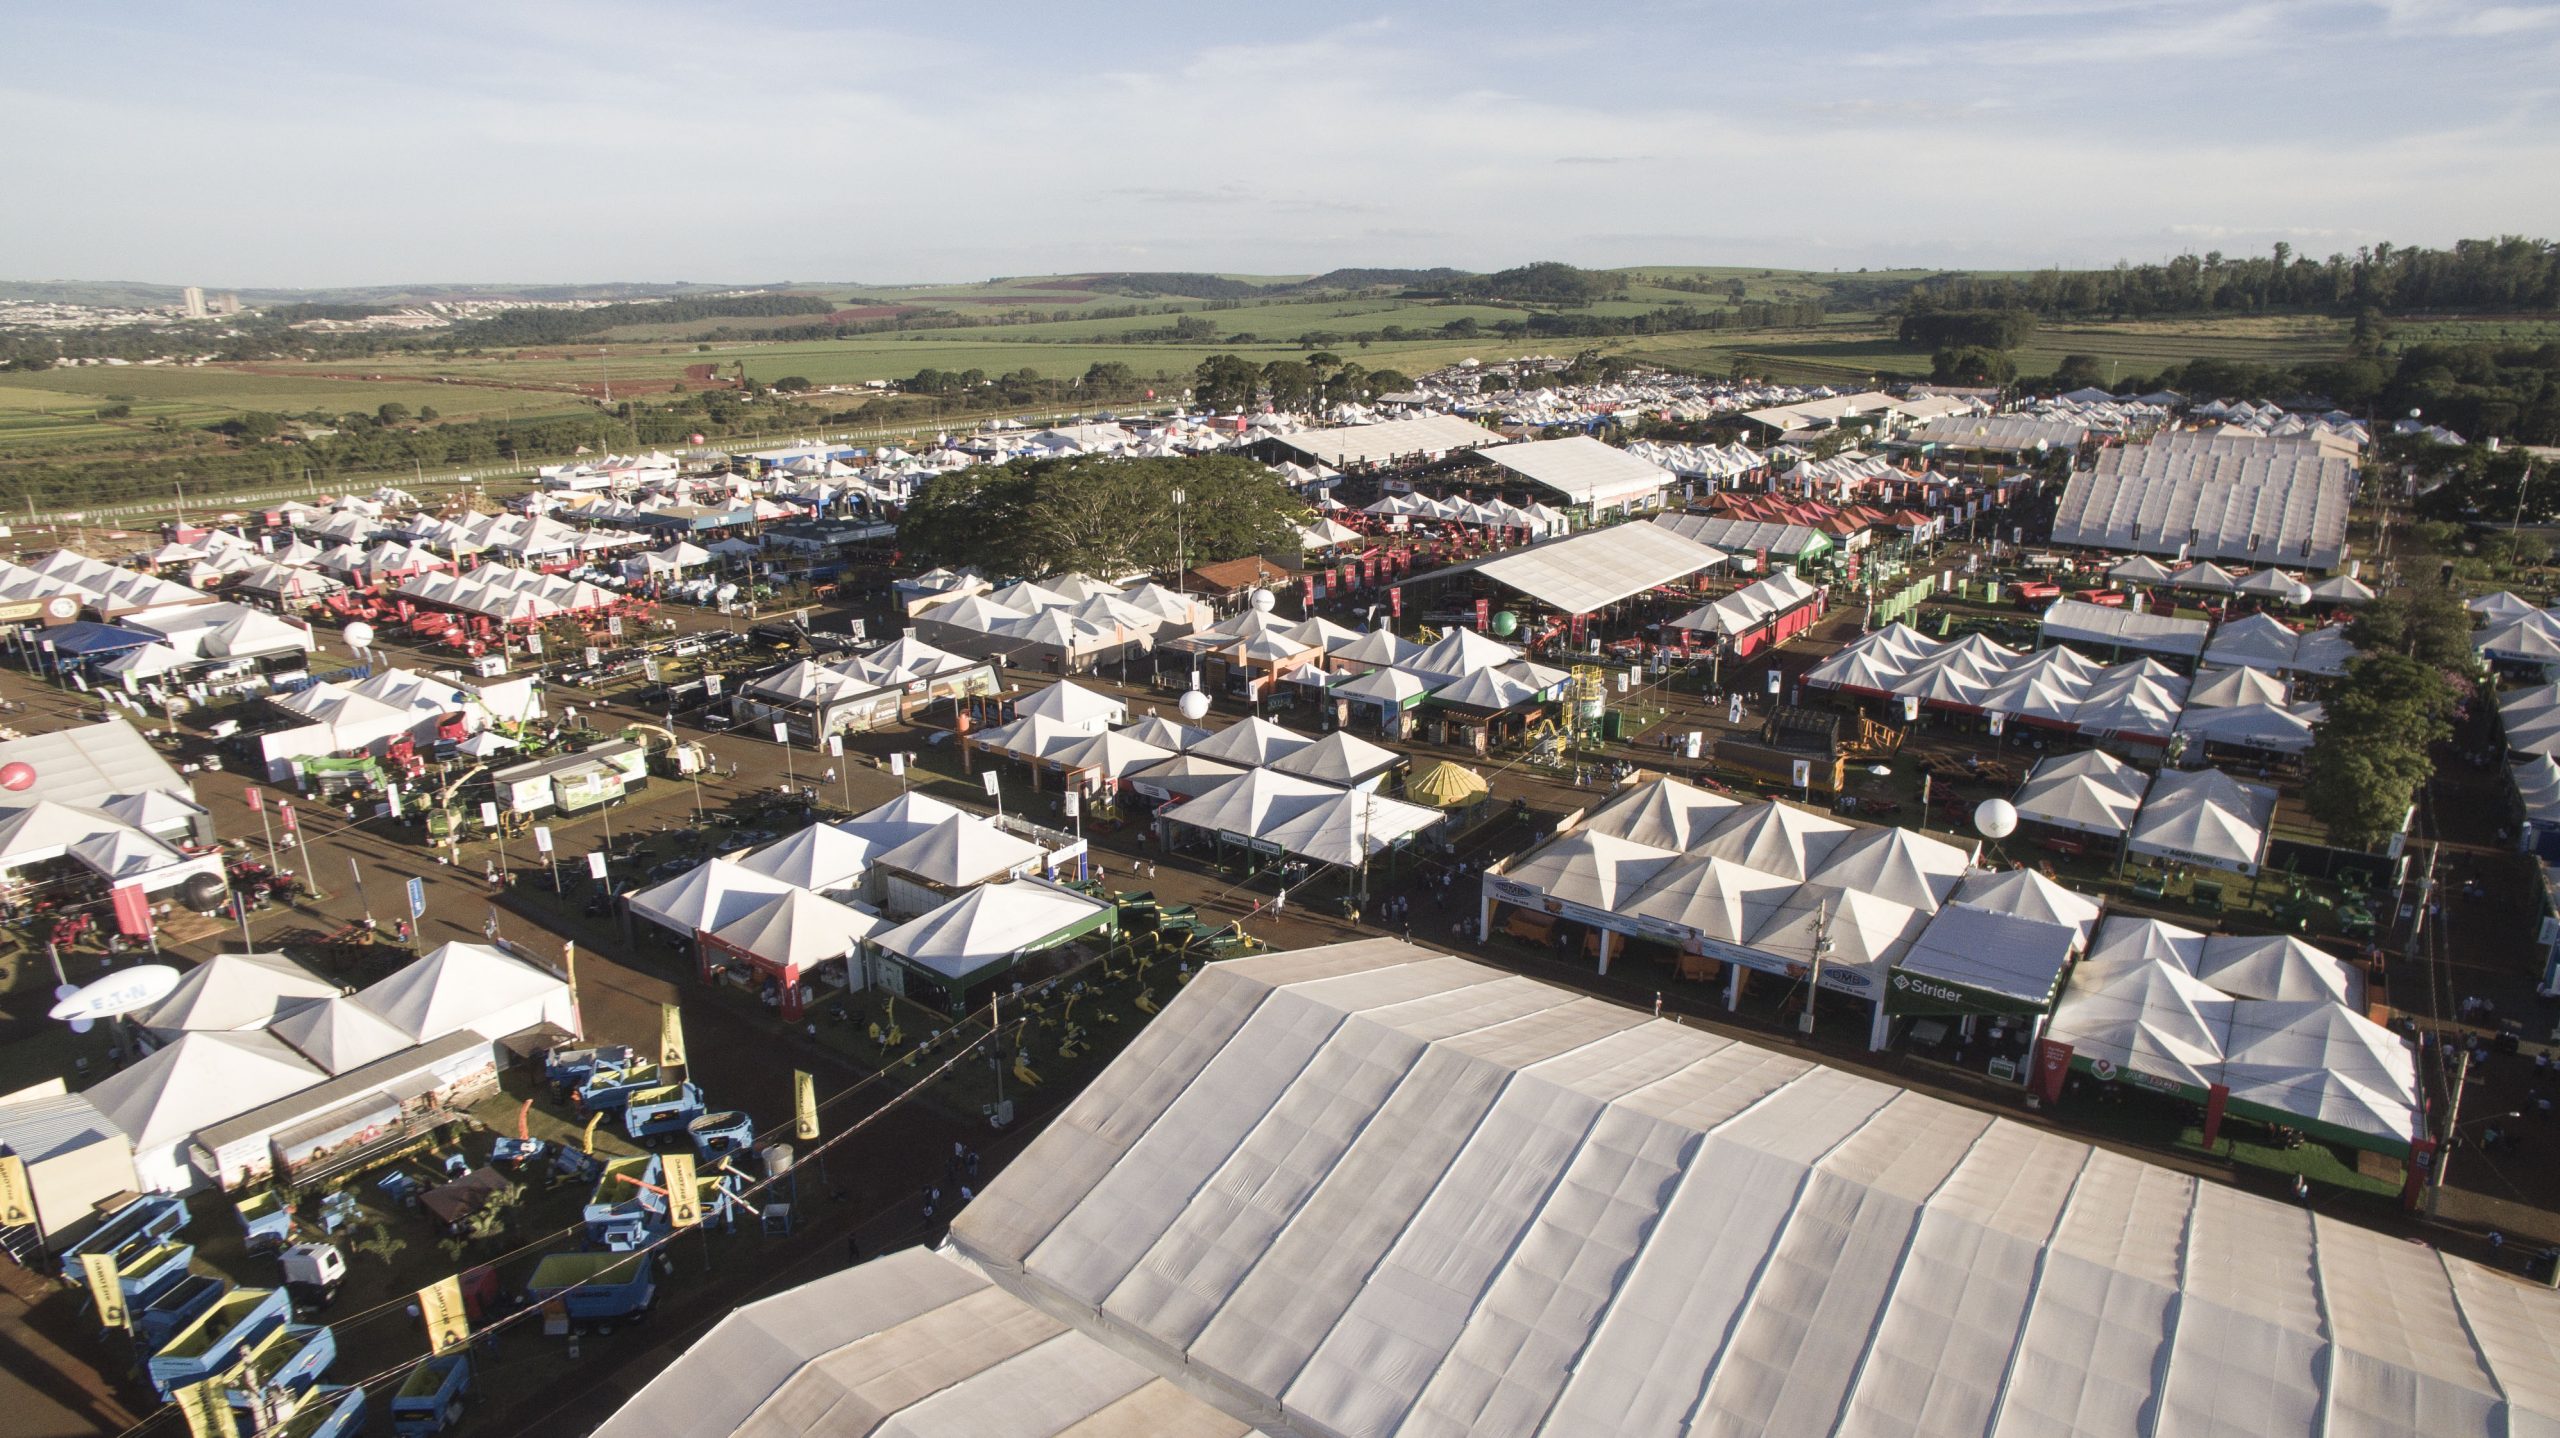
(595, 1290)
(608, 1092)
(565, 1069)
(176, 1306)
(717, 1135)
(615, 1215)
(217, 1337)
(666, 1109)
(430, 1401)
(146, 1273)
(274, 1372)
(327, 1411)
(144, 1221)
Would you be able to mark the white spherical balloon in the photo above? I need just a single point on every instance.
(1195, 706)
(359, 635)
(1263, 600)
(1996, 818)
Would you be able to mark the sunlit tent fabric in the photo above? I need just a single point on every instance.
(2532, 639)
(1449, 784)
(2532, 719)
(339, 1034)
(199, 1080)
(982, 931)
(1075, 707)
(709, 896)
(1665, 813)
(1367, 1189)
(458, 986)
(2204, 816)
(2031, 895)
(799, 930)
(911, 1342)
(2097, 625)
(1339, 758)
(899, 820)
(1250, 742)
(235, 991)
(2313, 1065)
(2153, 1019)
(2342, 589)
(2088, 792)
(2276, 728)
(2226, 688)
(2500, 607)
(1112, 754)
(961, 850)
(1971, 959)
(1165, 733)
(1898, 864)
(1587, 572)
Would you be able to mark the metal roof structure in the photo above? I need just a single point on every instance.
(1373, 1190)
(2286, 507)
(912, 1343)
(1582, 469)
(1744, 535)
(88, 765)
(2000, 433)
(1586, 572)
(2071, 619)
(1431, 434)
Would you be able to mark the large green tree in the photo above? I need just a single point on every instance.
(1101, 515)
(1226, 382)
(2370, 750)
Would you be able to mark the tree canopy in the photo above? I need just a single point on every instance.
(2370, 750)
(1101, 515)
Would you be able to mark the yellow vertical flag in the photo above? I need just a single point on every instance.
(670, 1037)
(448, 1322)
(587, 1141)
(207, 1407)
(684, 1190)
(17, 1196)
(804, 1105)
(106, 1288)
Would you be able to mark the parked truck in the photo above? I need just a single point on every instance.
(595, 1290)
(268, 1221)
(215, 1340)
(312, 1273)
(665, 1109)
(430, 1400)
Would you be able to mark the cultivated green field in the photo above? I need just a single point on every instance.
(56, 410)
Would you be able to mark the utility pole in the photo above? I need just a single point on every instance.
(2444, 1144)
(1813, 976)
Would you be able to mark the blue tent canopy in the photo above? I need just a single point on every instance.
(86, 637)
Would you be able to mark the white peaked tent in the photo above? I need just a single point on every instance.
(2204, 816)
(2314, 1065)
(1379, 648)
(2500, 607)
(2140, 569)
(2228, 688)
(1898, 864)
(200, 1080)
(457, 987)
(1373, 1190)
(1339, 758)
(156, 812)
(960, 851)
(1715, 899)
(2342, 589)
(2278, 967)
(800, 930)
(709, 896)
(340, 1034)
(1459, 653)
(2275, 728)
(2153, 1019)
(901, 819)
(984, 930)
(1775, 838)
(2087, 792)
(818, 858)
(235, 991)
(1250, 742)
(2026, 893)
(2531, 718)
(1075, 708)
(1165, 733)
(1665, 813)
(1591, 869)
(1112, 754)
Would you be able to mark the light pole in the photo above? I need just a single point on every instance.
(1181, 546)
(1813, 976)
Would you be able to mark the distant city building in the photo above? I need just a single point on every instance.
(194, 300)
(226, 304)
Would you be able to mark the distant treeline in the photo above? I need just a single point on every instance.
(2511, 272)
(509, 328)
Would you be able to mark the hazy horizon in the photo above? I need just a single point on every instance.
(302, 147)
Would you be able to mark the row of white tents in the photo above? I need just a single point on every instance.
(2196, 816)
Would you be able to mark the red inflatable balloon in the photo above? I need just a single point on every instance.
(15, 777)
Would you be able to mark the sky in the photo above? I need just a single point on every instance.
(318, 145)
